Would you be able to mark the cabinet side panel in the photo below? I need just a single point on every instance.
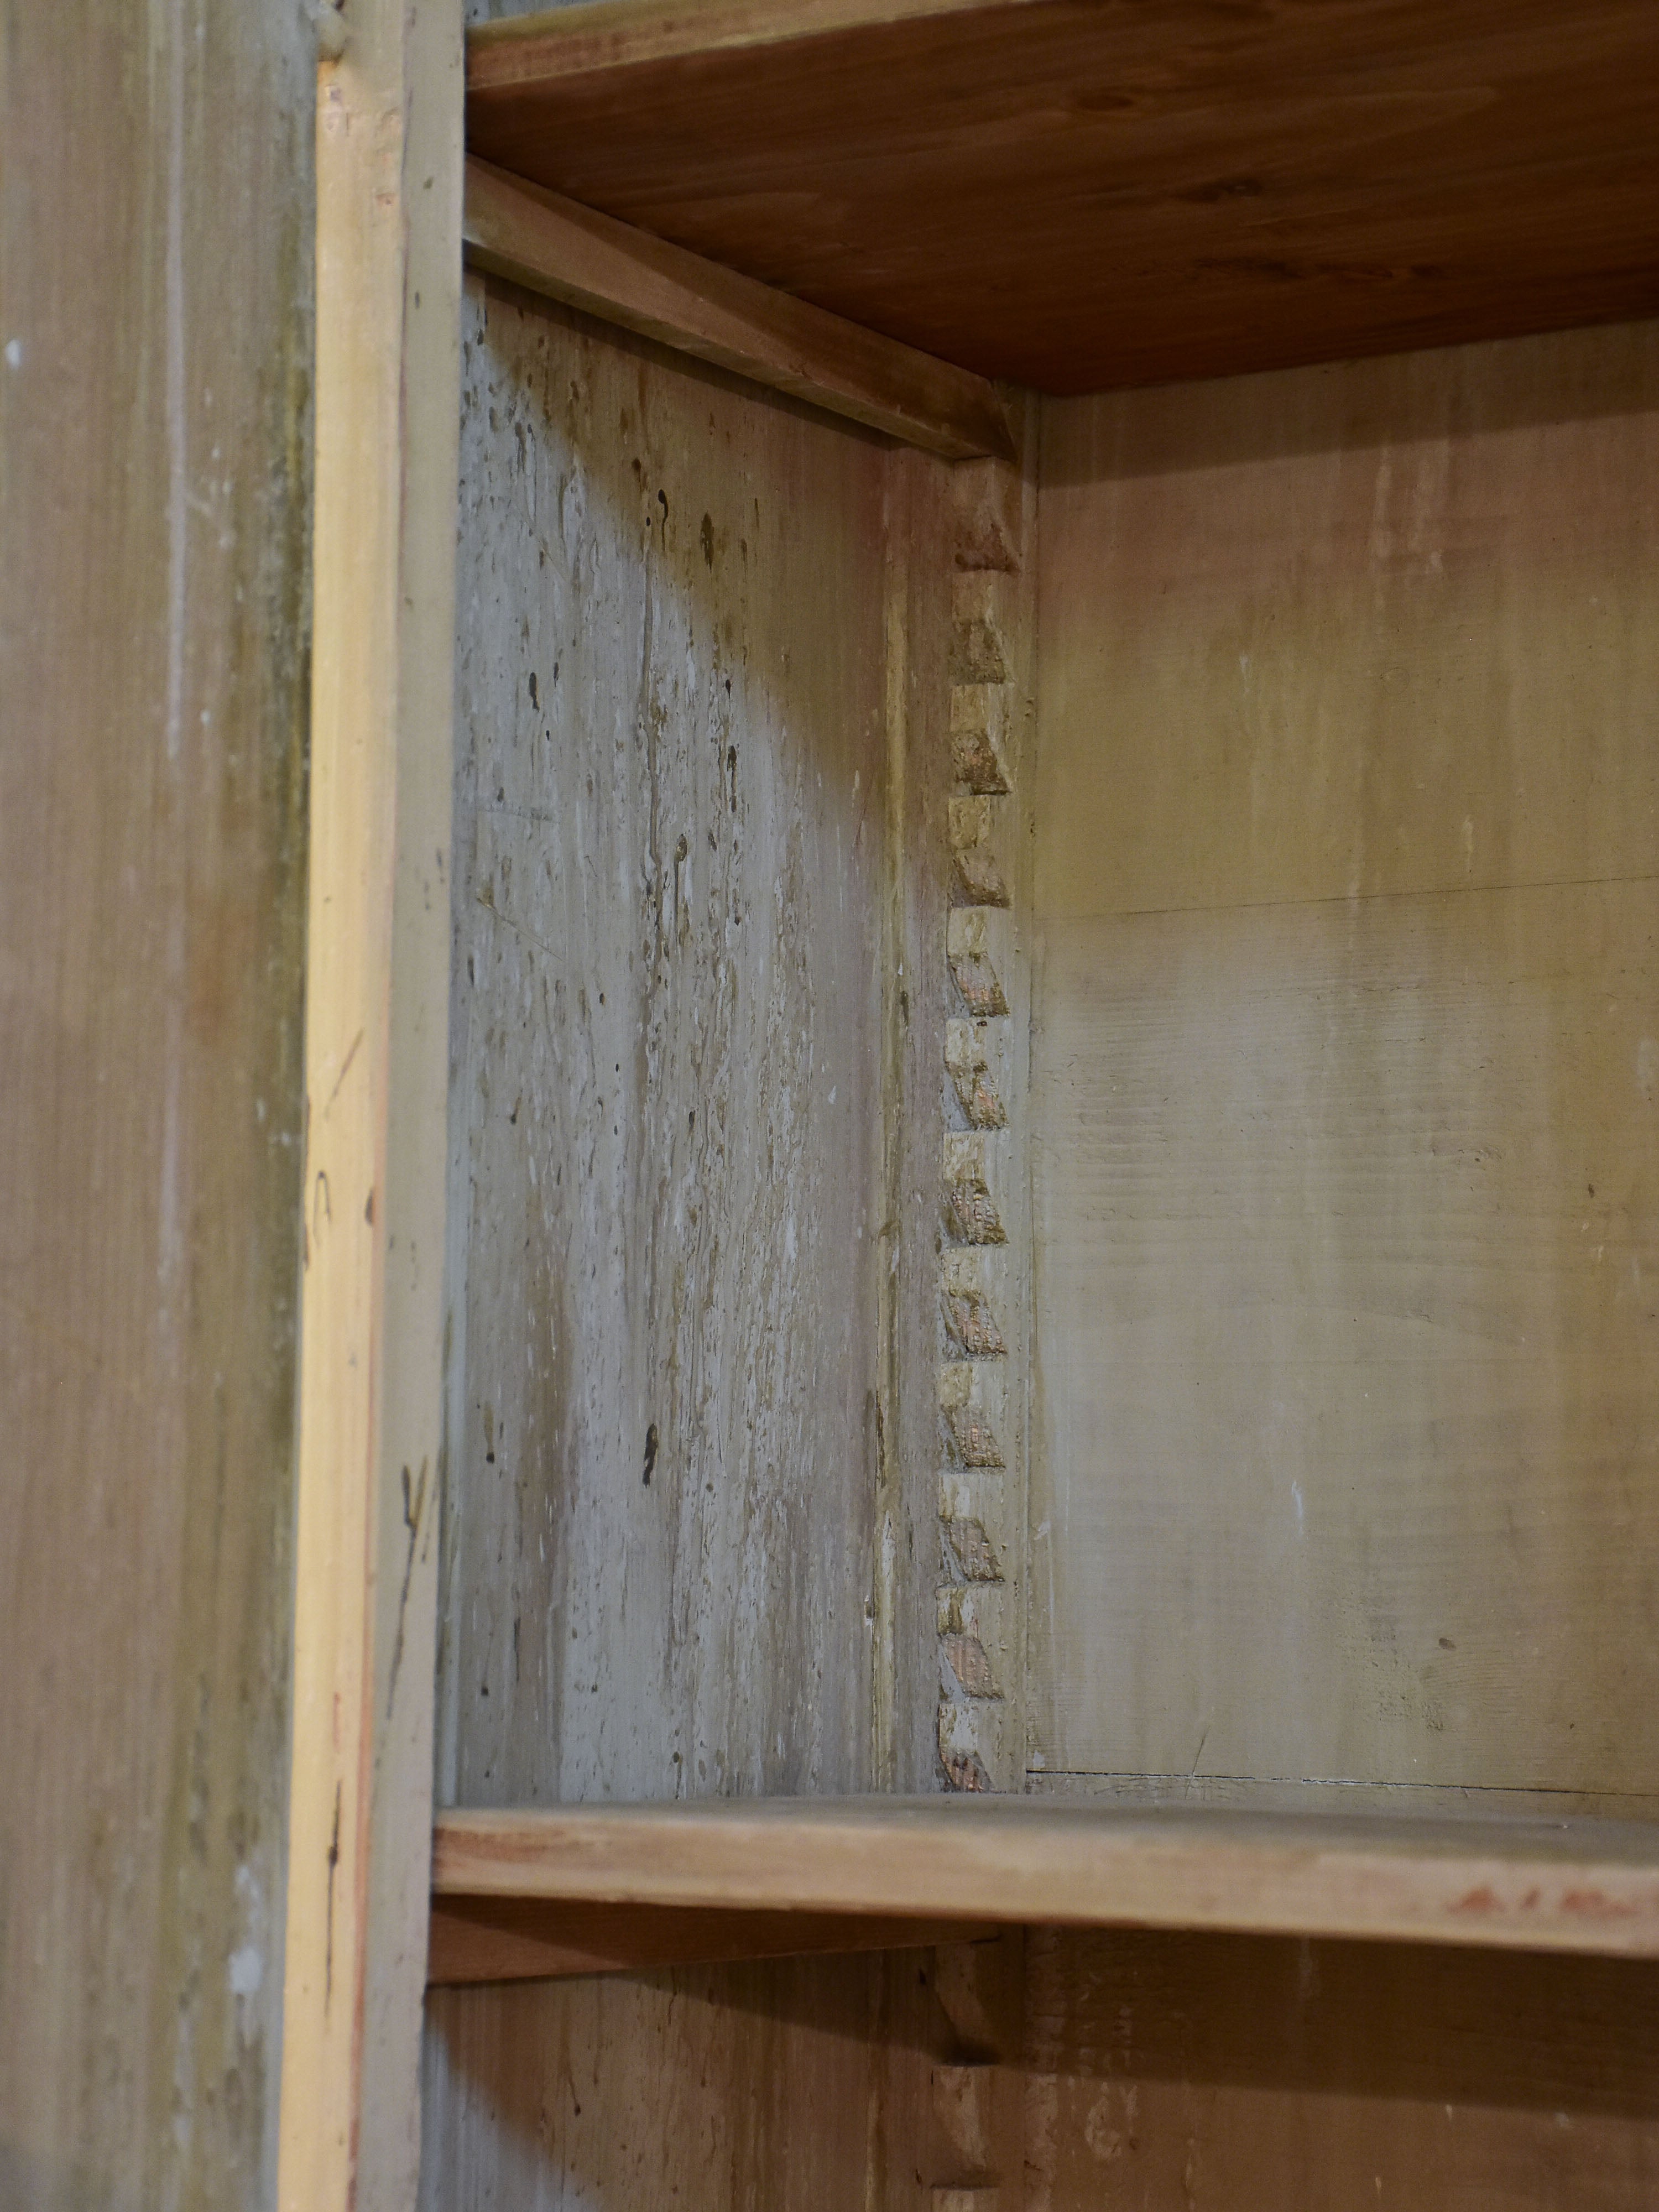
(1345, 1077)
(156, 352)
(666, 1077)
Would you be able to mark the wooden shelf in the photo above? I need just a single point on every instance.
(583, 1889)
(1076, 195)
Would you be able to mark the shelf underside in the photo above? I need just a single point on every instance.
(1077, 194)
(583, 1889)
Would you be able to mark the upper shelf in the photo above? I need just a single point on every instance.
(896, 1869)
(1077, 194)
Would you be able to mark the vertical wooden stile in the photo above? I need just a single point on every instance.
(388, 269)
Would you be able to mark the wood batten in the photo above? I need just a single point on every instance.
(495, 1939)
(621, 275)
(1577, 1886)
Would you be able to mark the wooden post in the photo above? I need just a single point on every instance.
(388, 275)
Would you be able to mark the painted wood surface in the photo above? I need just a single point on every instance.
(155, 349)
(388, 254)
(1073, 195)
(1345, 1078)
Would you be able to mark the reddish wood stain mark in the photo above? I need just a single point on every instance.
(1484, 1899)
(1595, 1904)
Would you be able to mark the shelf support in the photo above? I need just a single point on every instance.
(660, 291)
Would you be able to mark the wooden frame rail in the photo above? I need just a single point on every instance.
(660, 291)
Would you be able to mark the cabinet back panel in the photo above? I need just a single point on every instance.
(1346, 1063)
(1228, 2074)
(787, 2086)
(666, 1078)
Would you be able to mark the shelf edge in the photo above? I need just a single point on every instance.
(1071, 1872)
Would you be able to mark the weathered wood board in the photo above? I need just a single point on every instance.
(1345, 1070)
(155, 351)
(666, 1109)
(702, 879)
(1220, 2073)
(789, 2086)
(380, 788)
(1225, 2074)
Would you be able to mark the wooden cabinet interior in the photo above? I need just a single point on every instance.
(1053, 1077)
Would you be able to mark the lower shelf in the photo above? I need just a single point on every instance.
(591, 1888)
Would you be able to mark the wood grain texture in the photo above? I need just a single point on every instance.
(1076, 195)
(904, 1752)
(667, 1116)
(1225, 2074)
(1347, 1219)
(388, 259)
(924, 529)
(154, 575)
(1249, 1793)
(1589, 1886)
(495, 1939)
(1345, 1078)
(659, 291)
(609, 34)
(788, 2086)
(1380, 629)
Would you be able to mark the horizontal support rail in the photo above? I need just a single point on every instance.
(660, 291)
